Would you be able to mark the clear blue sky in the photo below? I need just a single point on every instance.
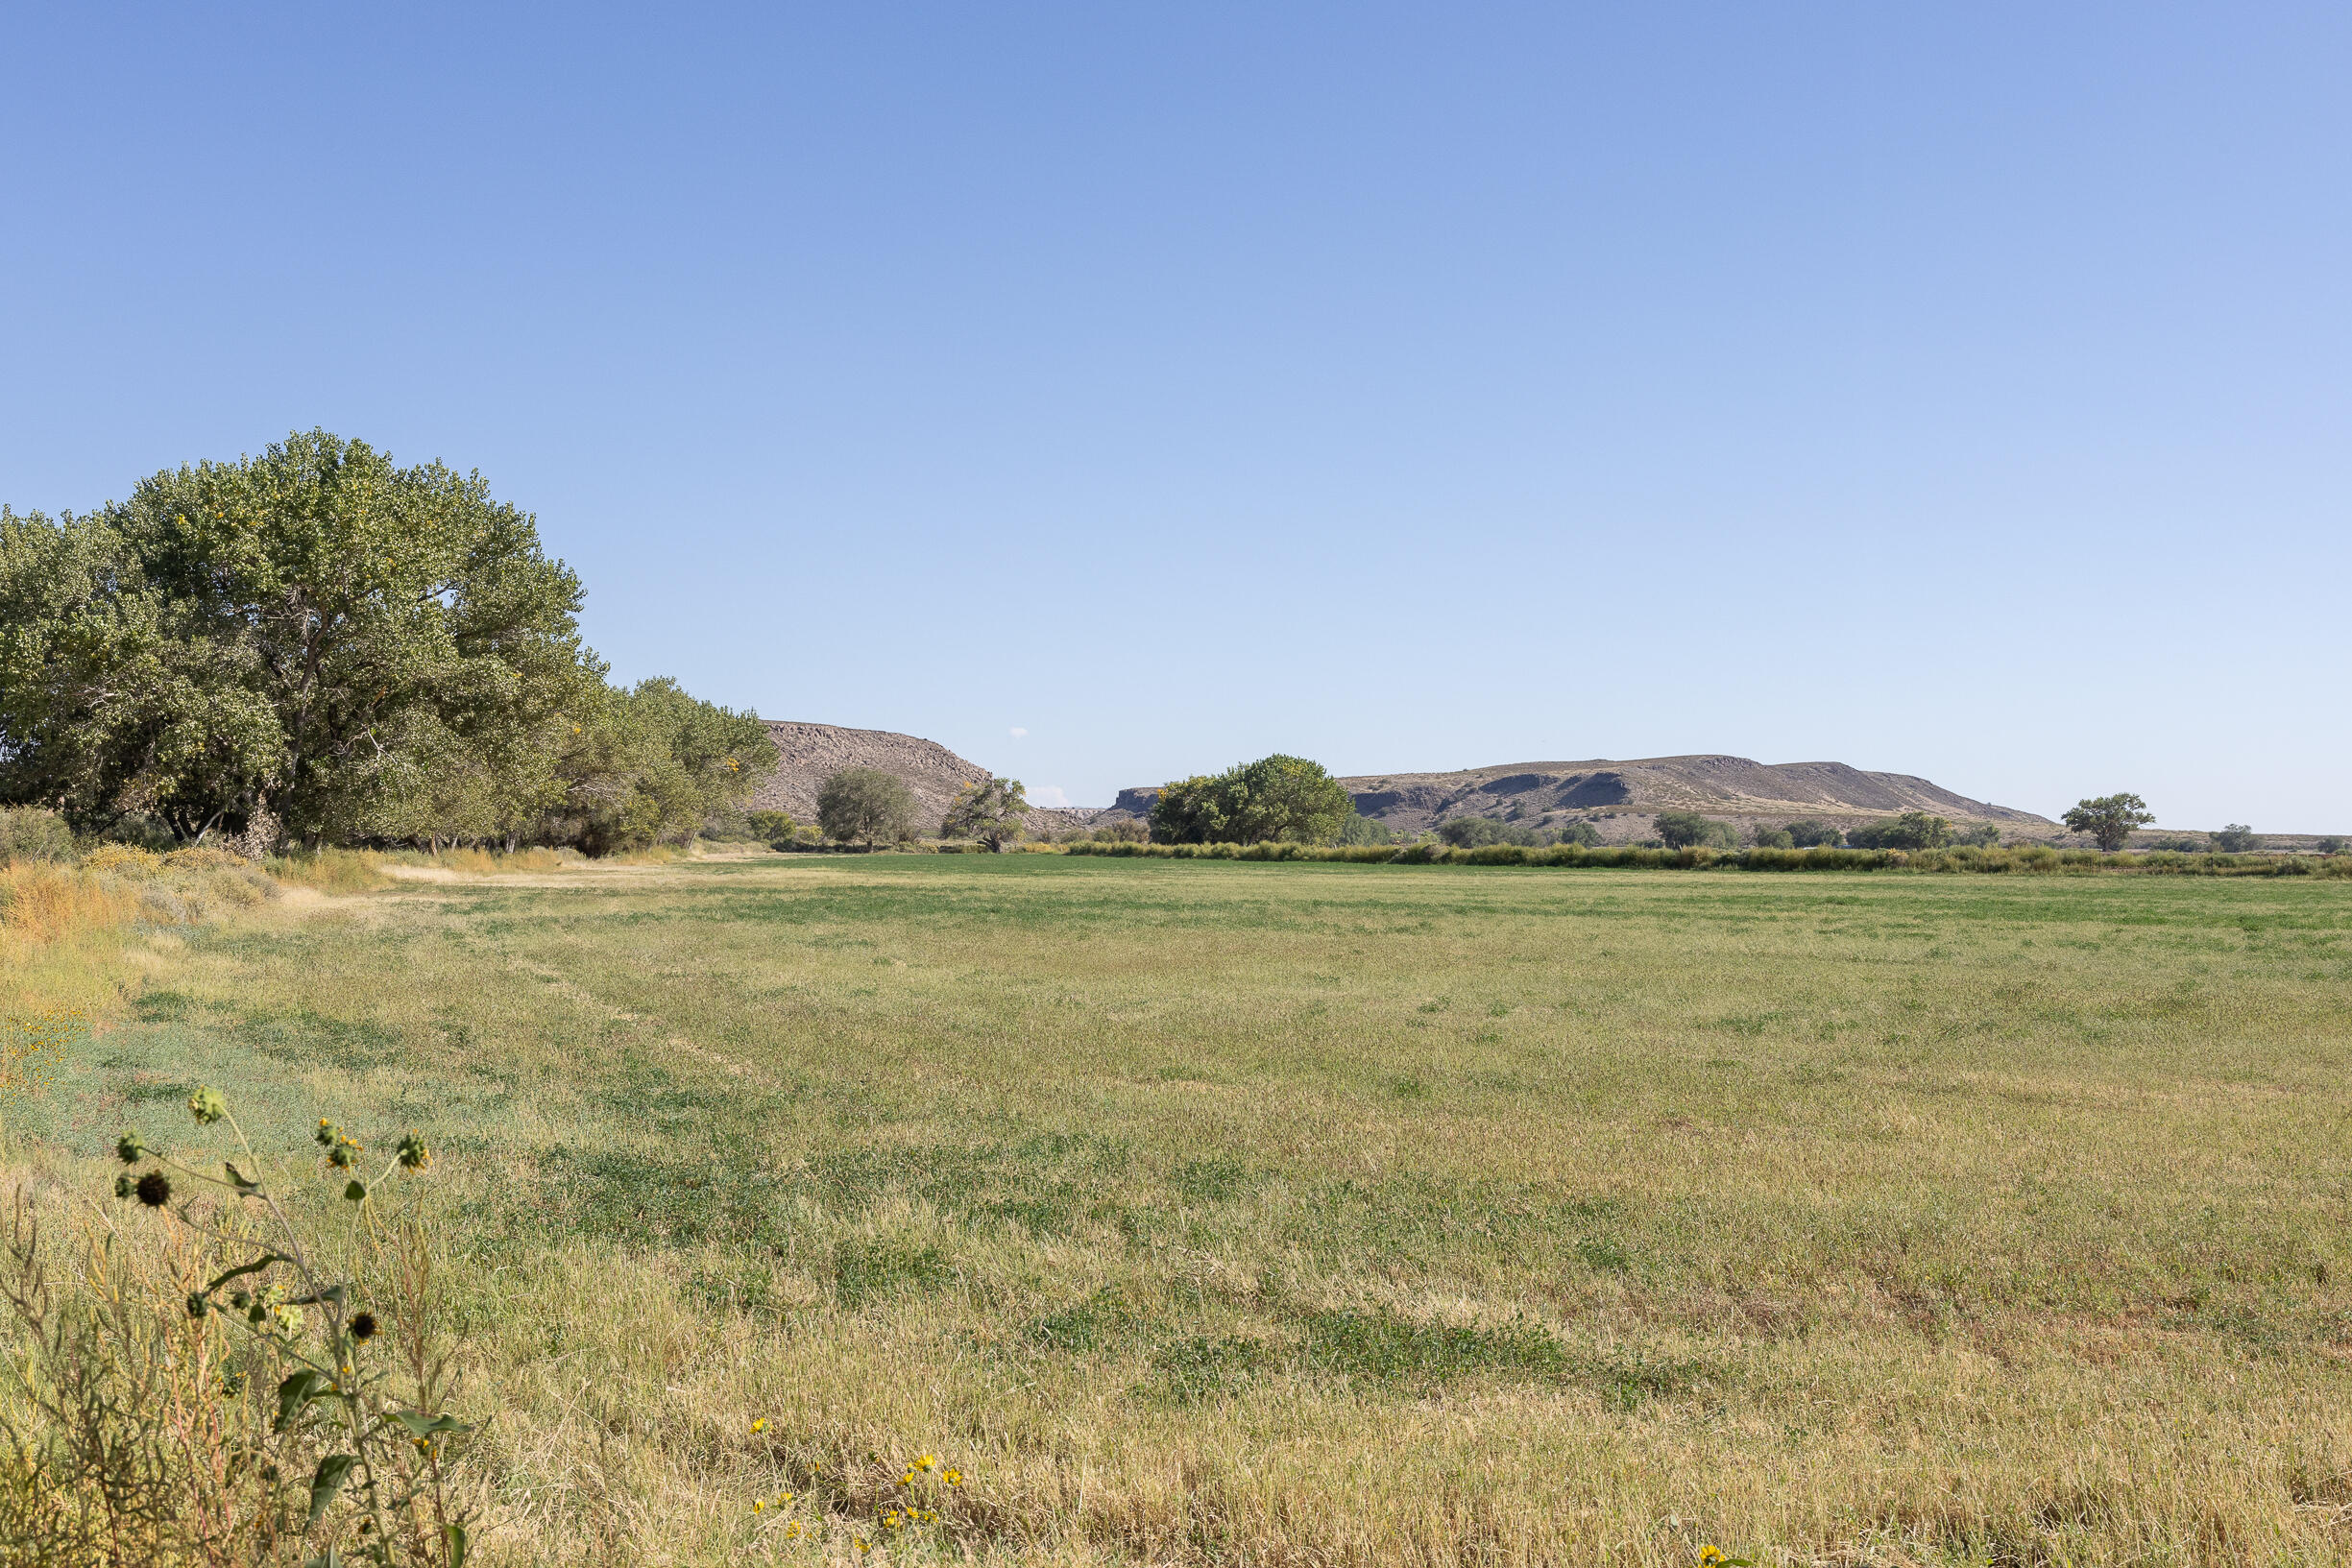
(1962, 390)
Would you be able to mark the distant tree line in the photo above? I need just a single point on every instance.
(317, 645)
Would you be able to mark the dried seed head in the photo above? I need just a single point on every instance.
(363, 1326)
(154, 1189)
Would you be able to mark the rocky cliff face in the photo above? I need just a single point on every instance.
(811, 753)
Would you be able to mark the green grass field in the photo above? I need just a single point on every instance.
(1300, 1213)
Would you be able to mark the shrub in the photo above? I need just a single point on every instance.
(2237, 839)
(1364, 830)
(1470, 833)
(1687, 830)
(1911, 831)
(29, 833)
(1124, 831)
(867, 805)
(1774, 839)
(1580, 833)
(2333, 845)
(1981, 835)
(1808, 831)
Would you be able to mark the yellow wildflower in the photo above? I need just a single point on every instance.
(1710, 1555)
(954, 1478)
(926, 1461)
(759, 1425)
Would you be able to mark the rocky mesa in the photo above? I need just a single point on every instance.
(1617, 797)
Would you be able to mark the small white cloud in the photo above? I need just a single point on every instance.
(1018, 732)
(1050, 795)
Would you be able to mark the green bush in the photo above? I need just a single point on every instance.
(1363, 830)
(1807, 832)
(1688, 829)
(31, 833)
(1911, 831)
(2237, 839)
(1775, 838)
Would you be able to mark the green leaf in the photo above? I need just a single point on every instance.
(328, 1481)
(454, 1537)
(297, 1391)
(237, 1179)
(263, 1262)
(422, 1425)
(330, 1558)
(355, 1191)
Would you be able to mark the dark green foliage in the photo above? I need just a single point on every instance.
(2331, 845)
(1126, 831)
(1808, 831)
(1472, 833)
(2237, 839)
(318, 641)
(1579, 833)
(1278, 798)
(1774, 839)
(1981, 835)
(865, 805)
(1911, 831)
(1688, 829)
(2109, 819)
(31, 833)
(1364, 830)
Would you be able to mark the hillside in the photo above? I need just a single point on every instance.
(1618, 797)
(809, 753)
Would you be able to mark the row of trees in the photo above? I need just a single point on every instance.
(320, 645)
(867, 806)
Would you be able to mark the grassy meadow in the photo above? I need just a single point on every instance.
(1322, 1214)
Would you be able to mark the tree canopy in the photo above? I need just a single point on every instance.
(2109, 819)
(1911, 831)
(1275, 798)
(991, 811)
(361, 652)
(865, 805)
(1682, 830)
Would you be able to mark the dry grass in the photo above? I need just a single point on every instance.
(1317, 1214)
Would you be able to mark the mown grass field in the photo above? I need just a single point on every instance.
(1323, 1213)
